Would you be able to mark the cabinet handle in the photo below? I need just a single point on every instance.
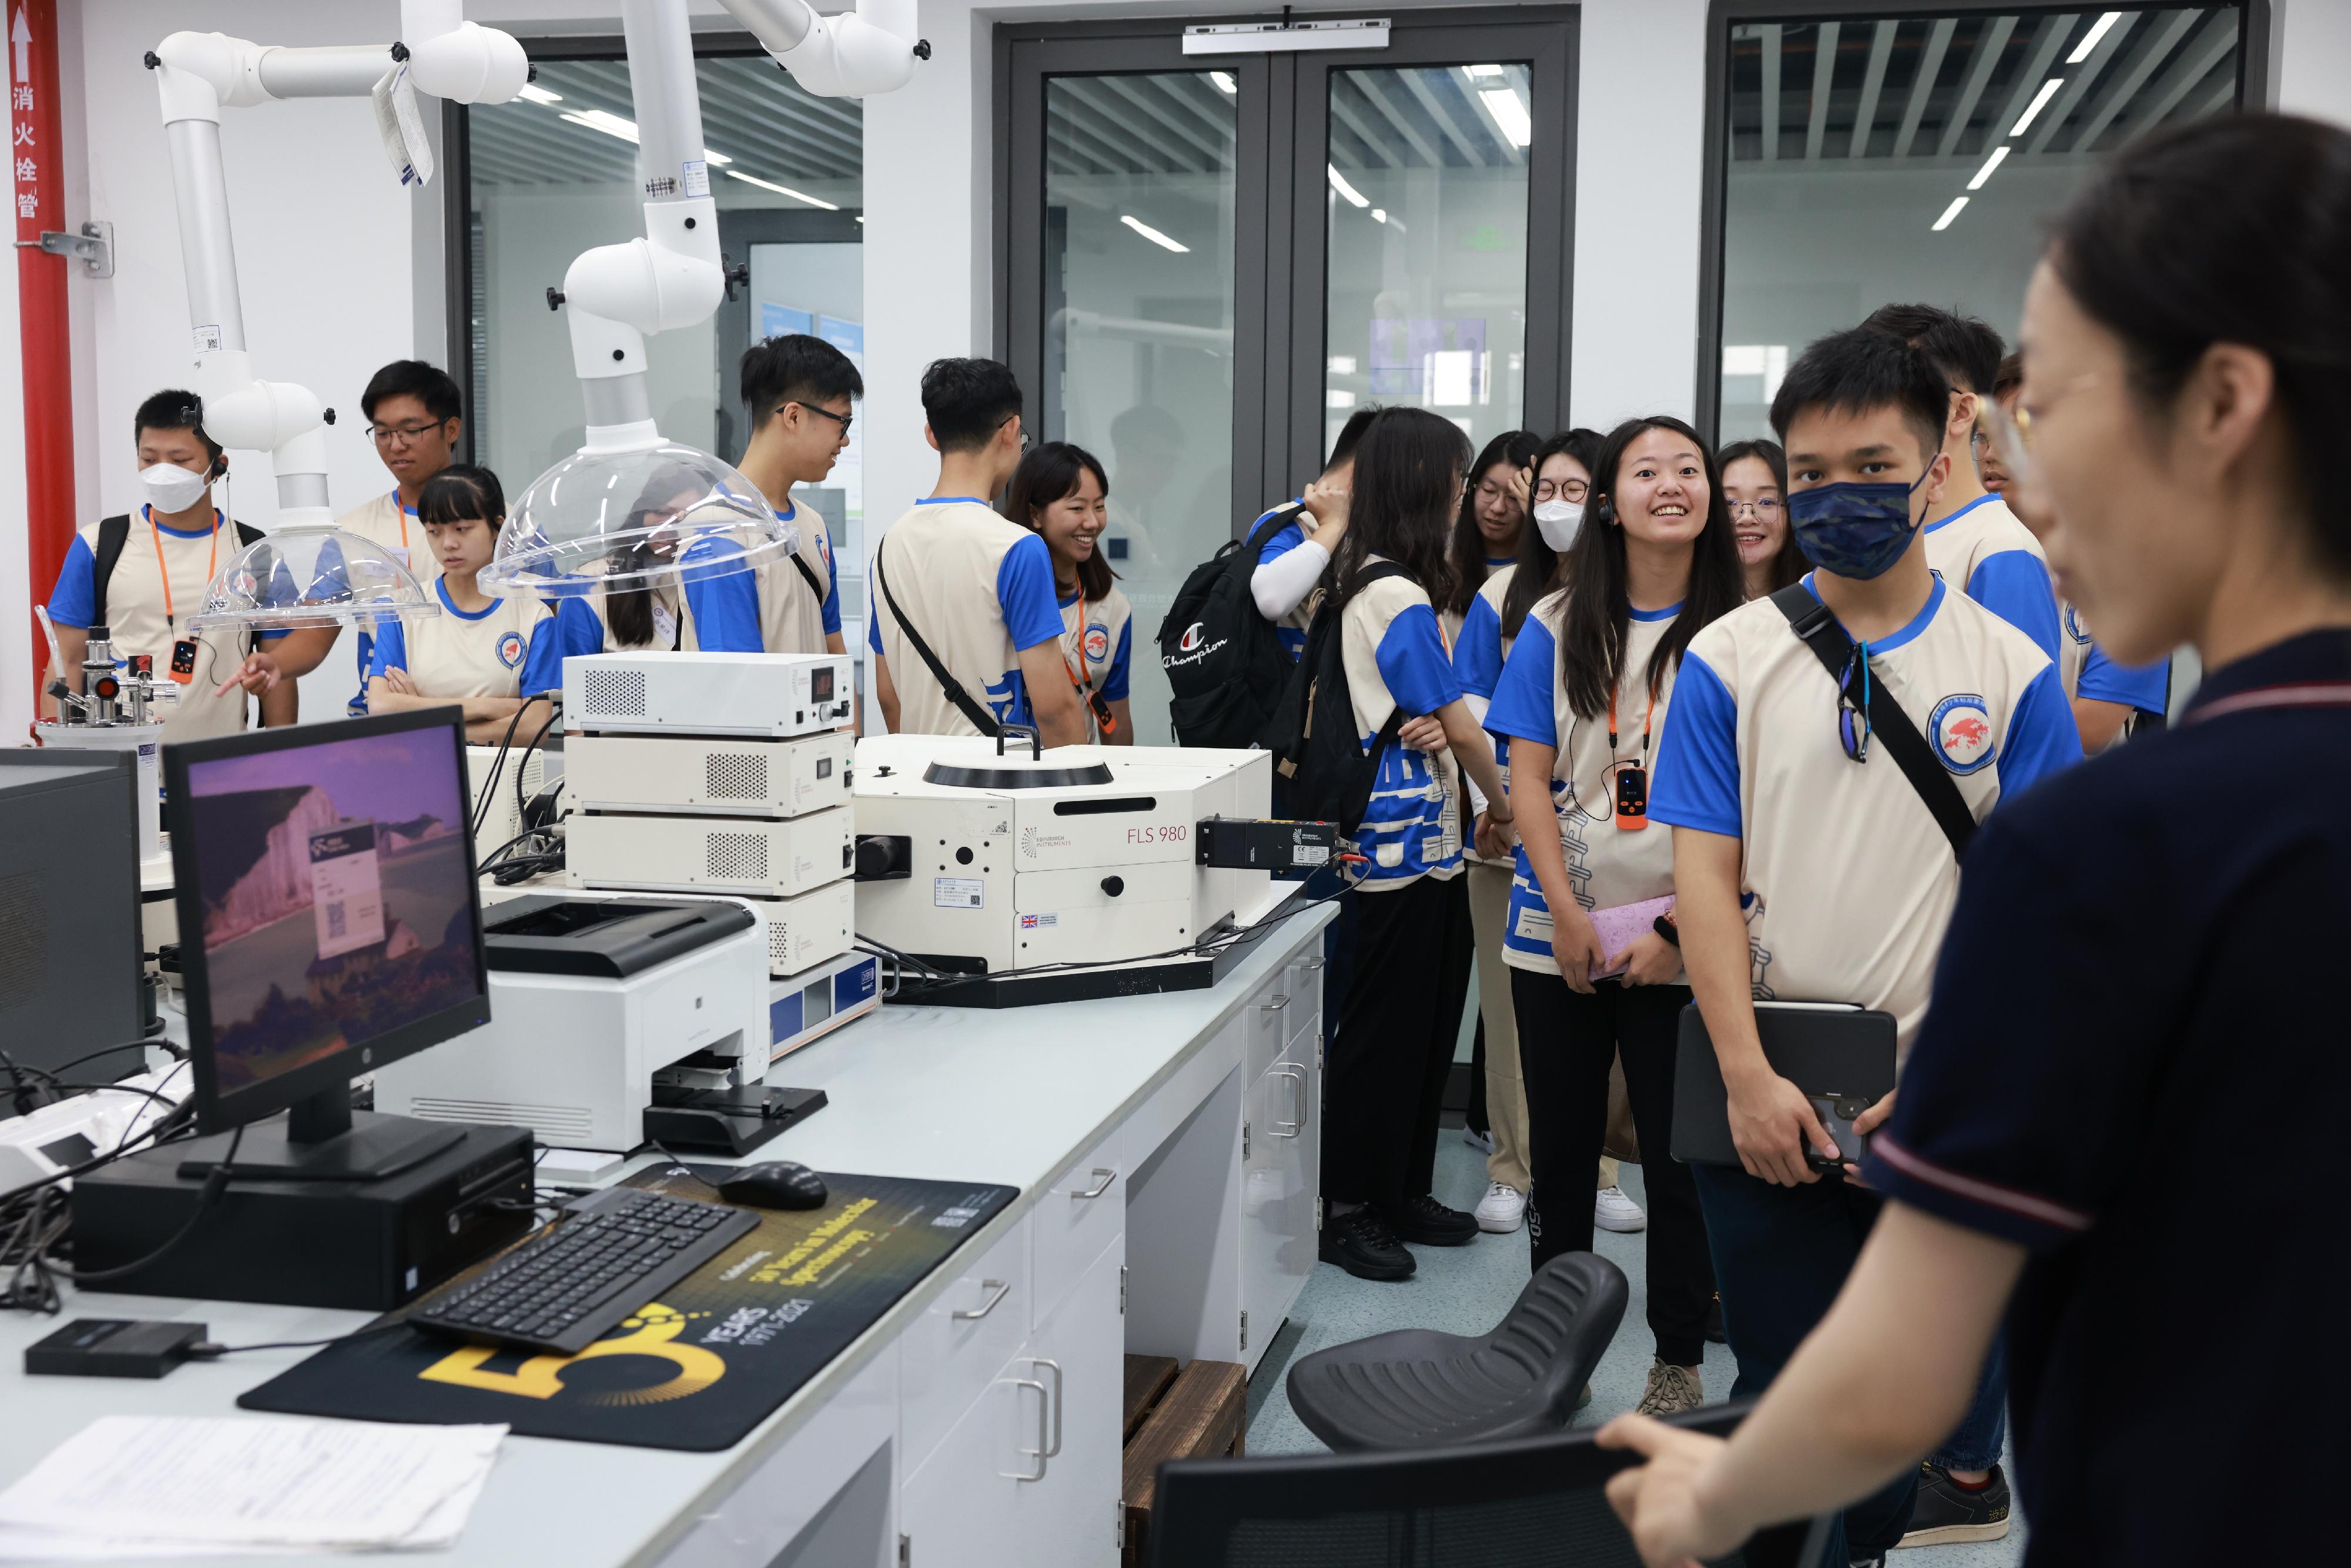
(1101, 1183)
(1297, 1123)
(1001, 1289)
(1310, 965)
(1037, 1453)
(1054, 1448)
(1276, 1005)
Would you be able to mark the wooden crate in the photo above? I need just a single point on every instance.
(1198, 1413)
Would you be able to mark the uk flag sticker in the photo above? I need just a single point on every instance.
(1960, 728)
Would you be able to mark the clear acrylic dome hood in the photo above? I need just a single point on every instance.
(641, 518)
(311, 575)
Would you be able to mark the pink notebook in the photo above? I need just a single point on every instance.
(1618, 927)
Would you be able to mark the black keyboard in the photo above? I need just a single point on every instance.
(613, 1251)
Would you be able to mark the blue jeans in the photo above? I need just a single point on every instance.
(1975, 1444)
(1781, 1256)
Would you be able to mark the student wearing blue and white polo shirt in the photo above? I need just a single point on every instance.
(1806, 865)
(1061, 493)
(1287, 580)
(1973, 541)
(1384, 1077)
(800, 390)
(473, 653)
(974, 586)
(1588, 687)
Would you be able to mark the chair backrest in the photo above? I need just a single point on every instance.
(1519, 1504)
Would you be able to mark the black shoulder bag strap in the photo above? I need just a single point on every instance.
(113, 533)
(982, 720)
(809, 576)
(1819, 630)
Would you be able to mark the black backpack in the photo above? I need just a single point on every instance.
(1226, 665)
(1330, 772)
(113, 533)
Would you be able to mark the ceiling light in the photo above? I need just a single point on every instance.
(1339, 184)
(1152, 235)
(1949, 213)
(1225, 82)
(1998, 154)
(537, 94)
(2040, 102)
(1379, 214)
(610, 124)
(1509, 112)
(2090, 39)
(719, 158)
(784, 191)
(1483, 70)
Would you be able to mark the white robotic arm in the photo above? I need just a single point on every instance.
(197, 76)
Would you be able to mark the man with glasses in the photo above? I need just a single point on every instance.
(1807, 865)
(800, 389)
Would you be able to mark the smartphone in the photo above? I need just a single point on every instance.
(1632, 797)
(1836, 1112)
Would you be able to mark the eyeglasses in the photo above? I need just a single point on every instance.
(1765, 510)
(401, 434)
(1853, 717)
(1560, 489)
(1488, 491)
(843, 420)
(1025, 441)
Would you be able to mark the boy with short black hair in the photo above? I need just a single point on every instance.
(1807, 865)
(964, 622)
(800, 390)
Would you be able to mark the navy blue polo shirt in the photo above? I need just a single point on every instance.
(2136, 1065)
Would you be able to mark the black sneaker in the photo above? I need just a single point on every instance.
(1360, 1242)
(1946, 1511)
(1430, 1223)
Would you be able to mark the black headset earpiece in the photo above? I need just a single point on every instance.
(1603, 511)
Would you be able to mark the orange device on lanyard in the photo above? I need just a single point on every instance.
(183, 649)
(1090, 699)
(1632, 777)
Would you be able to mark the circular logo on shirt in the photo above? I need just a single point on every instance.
(510, 650)
(1960, 728)
(1096, 643)
(2074, 627)
(1191, 638)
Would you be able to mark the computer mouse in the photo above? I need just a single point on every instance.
(779, 1183)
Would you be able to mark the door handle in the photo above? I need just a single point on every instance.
(1053, 1449)
(1037, 1453)
(1001, 1291)
(1297, 1123)
(1101, 1185)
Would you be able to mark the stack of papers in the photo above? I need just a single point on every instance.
(152, 1486)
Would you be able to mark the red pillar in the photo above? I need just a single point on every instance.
(36, 146)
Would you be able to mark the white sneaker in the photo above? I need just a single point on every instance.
(1502, 1210)
(1481, 1142)
(1612, 1210)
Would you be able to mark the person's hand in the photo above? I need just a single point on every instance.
(1523, 487)
(398, 680)
(259, 674)
(1575, 943)
(1770, 1121)
(1425, 733)
(1494, 839)
(1327, 503)
(1653, 961)
(1660, 1501)
(1868, 1121)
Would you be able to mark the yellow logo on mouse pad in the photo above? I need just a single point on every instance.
(653, 1333)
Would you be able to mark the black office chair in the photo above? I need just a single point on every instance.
(1533, 1502)
(1417, 1389)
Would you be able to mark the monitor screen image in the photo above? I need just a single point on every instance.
(336, 897)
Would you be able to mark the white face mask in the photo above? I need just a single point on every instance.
(172, 488)
(1559, 522)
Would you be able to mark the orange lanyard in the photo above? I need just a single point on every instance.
(402, 513)
(212, 558)
(1646, 717)
(1103, 719)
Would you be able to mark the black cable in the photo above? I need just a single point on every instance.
(109, 1051)
(554, 710)
(214, 1185)
(203, 1350)
(481, 815)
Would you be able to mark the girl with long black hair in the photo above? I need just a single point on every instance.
(1385, 1074)
(1491, 522)
(1755, 483)
(1580, 702)
(1061, 492)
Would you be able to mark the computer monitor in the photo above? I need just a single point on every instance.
(69, 940)
(330, 924)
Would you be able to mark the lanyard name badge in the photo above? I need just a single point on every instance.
(1632, 777)
(183, 649)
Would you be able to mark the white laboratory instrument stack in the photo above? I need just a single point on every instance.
(728, 775)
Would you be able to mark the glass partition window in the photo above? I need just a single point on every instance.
(1426, 303)
(1919, 158)
(1138, 325)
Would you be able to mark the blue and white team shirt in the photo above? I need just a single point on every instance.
(391, 523)
(794, 619)
(1983, 551)
(1479, 650)
(2087, 672)
(1397, 659)
(706, 614)
(1608, 865)
(1291, 628)
(1846, 879)
(980, 589)
(463, 653)
(1098, 647)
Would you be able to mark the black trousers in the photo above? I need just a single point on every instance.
(1565, 1044)
(1383, 1079)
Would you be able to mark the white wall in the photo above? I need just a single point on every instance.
(2313, 77)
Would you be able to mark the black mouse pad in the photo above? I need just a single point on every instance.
(697, 1369)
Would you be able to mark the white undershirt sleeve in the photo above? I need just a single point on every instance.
(1477, 706)
(1282, 585)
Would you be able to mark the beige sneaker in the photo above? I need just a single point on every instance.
(1672, 1389)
